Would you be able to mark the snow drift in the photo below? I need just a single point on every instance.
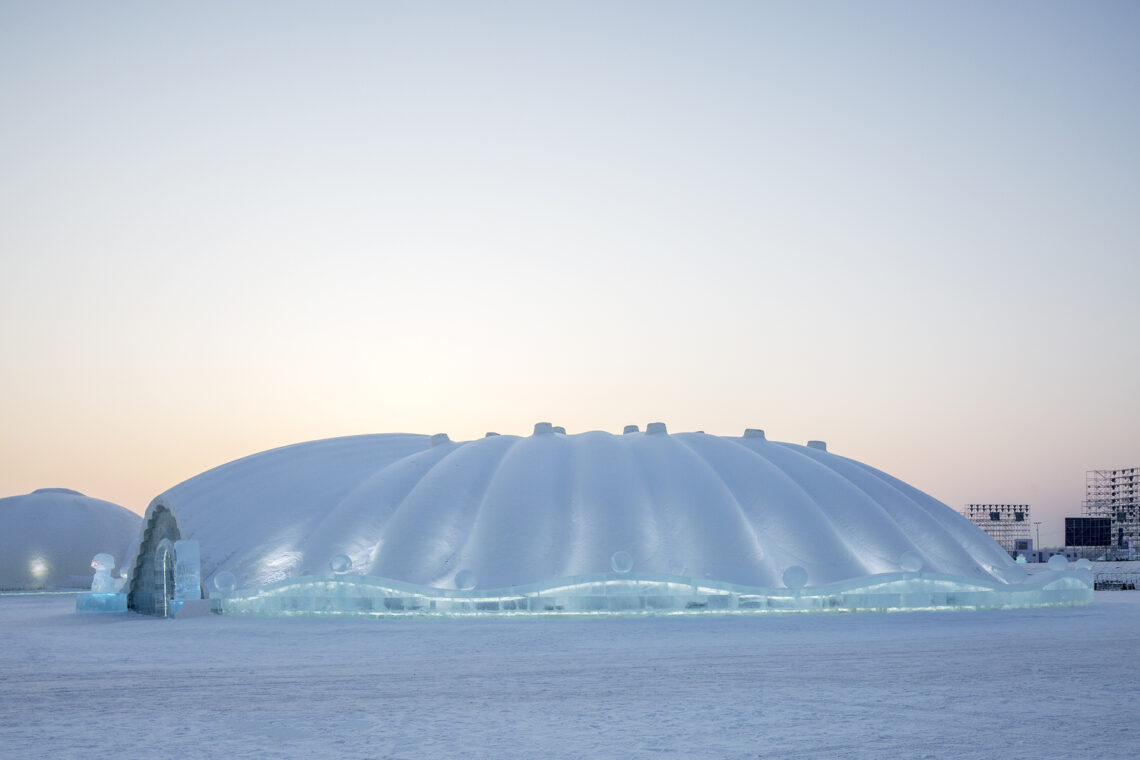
(50, 536)
(513, 510)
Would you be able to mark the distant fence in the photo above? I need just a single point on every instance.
(1116, 581)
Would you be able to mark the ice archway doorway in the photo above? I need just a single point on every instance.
(152, 577)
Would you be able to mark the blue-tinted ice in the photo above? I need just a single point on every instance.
(187, 570)
(648, 593)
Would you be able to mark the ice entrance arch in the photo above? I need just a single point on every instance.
(163, 577)
(152, 577)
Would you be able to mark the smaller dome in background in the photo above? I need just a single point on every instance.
(49, 537)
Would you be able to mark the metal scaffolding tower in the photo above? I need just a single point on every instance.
(1008, 524)
(1115, 494)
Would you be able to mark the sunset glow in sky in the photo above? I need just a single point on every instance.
(909, 229)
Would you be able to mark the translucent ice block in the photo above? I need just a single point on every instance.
(98, 603)
(187, 570)
(645, 593)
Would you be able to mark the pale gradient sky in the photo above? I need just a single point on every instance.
(908, 229)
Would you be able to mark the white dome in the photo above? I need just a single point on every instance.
(49, 537)
(516, 510)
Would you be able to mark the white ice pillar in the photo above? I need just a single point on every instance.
(187, 570)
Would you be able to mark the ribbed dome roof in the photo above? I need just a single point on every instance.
(515, 510)
(50, 535)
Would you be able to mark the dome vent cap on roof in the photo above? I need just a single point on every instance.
(559, 429)
(653, 428)
(754, 433)
(543, 428)
(630, 429)
(439, 438)
(821, 445)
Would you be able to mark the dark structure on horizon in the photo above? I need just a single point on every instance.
(1008, 524)
(1088, 531)
(1111, 513)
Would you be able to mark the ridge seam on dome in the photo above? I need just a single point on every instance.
(930, 548)
(814, 456)
(478, 516)
(741, 514)
(870, 500)
(933, 516)
(446, 450)
(335, 516)
(825, 518)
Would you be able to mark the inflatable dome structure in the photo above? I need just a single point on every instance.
(50, 536)
(413, 517)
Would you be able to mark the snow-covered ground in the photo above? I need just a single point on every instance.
(1055, 682)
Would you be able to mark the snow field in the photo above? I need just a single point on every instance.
(1051, 682)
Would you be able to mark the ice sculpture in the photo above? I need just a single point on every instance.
(1058, 563)
(103, 583)
(621, 562)
(103, 597)
(795, 577)
(225, 581)
(340, 564)
(465, 580)
(910, 562)
(187, 570)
